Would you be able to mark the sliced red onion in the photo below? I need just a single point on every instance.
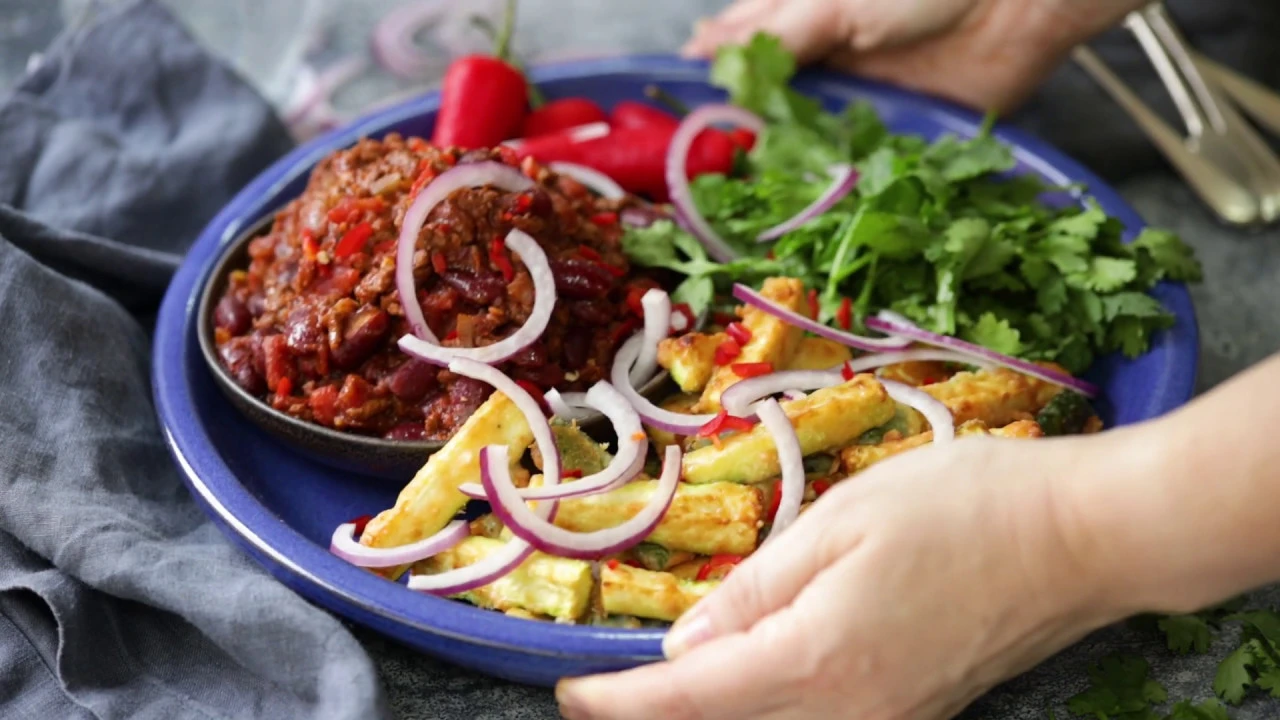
(463, 579)
(678, 176)
(503, 177)
(312, 101)
(665, 420)
(598, 182)
(392, 41)
(657, 326)
(879, 360)
(844, 179)
(858, 342)
(794, 394)
(741, 397)
(567, 406)
(897, 325)
(790, 460)
(545, 536)
(527, 406)
(544, 302)
(345, 546)
(633, 445)
(580, 133)
(940, 418)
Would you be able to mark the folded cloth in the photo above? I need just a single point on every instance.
(118, 599)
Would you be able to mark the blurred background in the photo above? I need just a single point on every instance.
(294, 50)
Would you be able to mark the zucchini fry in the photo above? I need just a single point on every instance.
(431, 499)
(996, 397)
(860, 457)
(718, 518)
(772, 340)
(690, 358)
(625, 590)
(815, 353)
(828, 419)
(682, 403)
(543, 584)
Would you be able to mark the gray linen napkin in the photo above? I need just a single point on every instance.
(118, 599)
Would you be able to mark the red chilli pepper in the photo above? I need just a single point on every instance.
(712, 427)
(426, 174)
(536, 392)
(613, 270)
(284, 388)
(631, 115)
(821, 486)
(635, 300)
(589, 253)
(717, 562)
(575, 473)
(353, 240)
(814, 307)
(723, 319)
(452, 335)
(483, 99)
(750, 370)
(559, 115)
(612, 564)
(498, 256)
(623, 331)
(775, 502)
(361, 523)
(846, 371)
(726, 352)
(739, 332)
(439, 261)
(743, 138)
(844, 316)
(605, 219)
(686, 312)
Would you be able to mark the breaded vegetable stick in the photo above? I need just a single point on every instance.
(815, 353)
(997, 397)
(772, 340)
(690, 358)
(431, 499)
(625, 590)
(542, 584)
(682, 403)
(827, 419)
(860, 457)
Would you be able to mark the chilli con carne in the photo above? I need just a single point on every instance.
(311, 325)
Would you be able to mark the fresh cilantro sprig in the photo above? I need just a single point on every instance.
(937, 231)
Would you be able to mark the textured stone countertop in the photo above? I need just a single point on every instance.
(1236, 303)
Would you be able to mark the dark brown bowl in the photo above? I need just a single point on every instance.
(396, 460)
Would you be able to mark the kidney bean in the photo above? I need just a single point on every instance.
(237, 357)
(406, 431)
(304, 330)
(232, 315)
(466, 392)
(481, 289)
(592, 312)
(545, 376)
(276, 357)
(364, 332)
(581, 279)
(412, 381)
(576, 348)
(532, 356)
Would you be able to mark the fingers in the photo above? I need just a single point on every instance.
(765, 582)
(808, 28)
(745, 675)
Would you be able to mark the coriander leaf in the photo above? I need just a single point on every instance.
(1185, 633)
(1051, 294)
(957, 160)
(1265, 622)
(796, 147)
(697, 291)
(1119, 686)
(1130, 335)
(1233, 678)
(994, 333)
(1083, 225)
(879, 170)
(1133, 304)
(1207, 710)
(1174, 258)
(756, 76)
(1105, 274)
(653, 246)
(1269, 680)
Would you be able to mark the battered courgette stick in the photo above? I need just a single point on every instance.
(625, 590)
(996, 397)
(827, 419)
(543, 585)
(860, 457)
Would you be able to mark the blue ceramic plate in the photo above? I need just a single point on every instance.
(281, 508)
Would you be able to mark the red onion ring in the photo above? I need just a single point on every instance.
(567, 406)
(845, 178)
(879, 360)
(392, 40)
(527, 406)
(750, 297)
(741, 398)
(939, 416)
(544, 302)
(503, 177)
(344, 545)
(596, 181)
(525, 524)
(652, 415)
(898, 325)
(790, 460)
(657, 326)
(677, 171)
(312, 101)
(633, 445)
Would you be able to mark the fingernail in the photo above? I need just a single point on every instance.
(691, 630)
(567, 695)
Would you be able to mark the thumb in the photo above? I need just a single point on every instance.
(763, 583)
(811, 29)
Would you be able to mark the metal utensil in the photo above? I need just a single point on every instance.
(1229, 199)
(1257, 100)
(1216, 130)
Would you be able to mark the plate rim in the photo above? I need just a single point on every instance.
(216, 487)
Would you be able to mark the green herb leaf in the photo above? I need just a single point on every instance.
(1207, 710)
(1119, 687)
(1186, 633)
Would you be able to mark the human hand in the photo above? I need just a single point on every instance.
(990, 54)
(905, 592)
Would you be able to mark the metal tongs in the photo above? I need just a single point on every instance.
(1222, 157)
